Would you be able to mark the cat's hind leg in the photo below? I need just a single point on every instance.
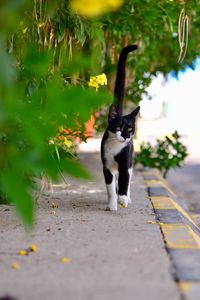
(111, 189)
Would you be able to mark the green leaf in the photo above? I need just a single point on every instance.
(7, 69)
(164, 156)
(16, 190)
(36, 63)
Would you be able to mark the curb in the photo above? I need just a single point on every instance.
(180, 233)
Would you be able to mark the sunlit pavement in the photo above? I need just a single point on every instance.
(179, 218)
(150, 250)
(110, 255)
(178, 224)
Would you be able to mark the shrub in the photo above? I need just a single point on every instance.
(166, 154)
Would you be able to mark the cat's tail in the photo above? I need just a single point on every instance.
(119, 90)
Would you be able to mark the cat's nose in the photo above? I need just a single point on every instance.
(126, 135)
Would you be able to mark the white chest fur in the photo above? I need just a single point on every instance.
(112, 147)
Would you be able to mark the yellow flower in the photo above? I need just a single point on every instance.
(96, 81)
(23, 252)
(102, 79)
(33, 248)
(93, 82)
(151, 222)
(91, 8)
(53, 205)
(68, 143)
(15, 265)
(65, 260)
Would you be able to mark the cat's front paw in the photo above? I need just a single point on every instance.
(123, 200)
(112, 207)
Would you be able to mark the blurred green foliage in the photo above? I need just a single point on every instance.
(166, 154)
(38, 96)
(47, 55)
(153, 25)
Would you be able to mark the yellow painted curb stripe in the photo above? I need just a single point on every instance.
(176, 205)
(167, 185)
(190, 289)
(184, 286)
(153, 182)
(158, 182)
(162, 202)
(184, 213)
(180, 236)
(156, 174)
(149, 173)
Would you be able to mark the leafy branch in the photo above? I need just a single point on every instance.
(166, 154)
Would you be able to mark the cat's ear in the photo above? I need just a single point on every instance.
(113, 113)
(134, 113)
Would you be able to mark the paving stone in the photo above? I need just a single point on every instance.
(187, 264)
(168, 216)
(158, 191)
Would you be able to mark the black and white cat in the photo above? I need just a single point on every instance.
(117, 142)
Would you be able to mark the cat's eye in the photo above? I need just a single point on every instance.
(129, 129)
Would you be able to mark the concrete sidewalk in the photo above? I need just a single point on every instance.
(113, 255)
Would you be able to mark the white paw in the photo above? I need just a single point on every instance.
(112, 206)
(123, 200)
